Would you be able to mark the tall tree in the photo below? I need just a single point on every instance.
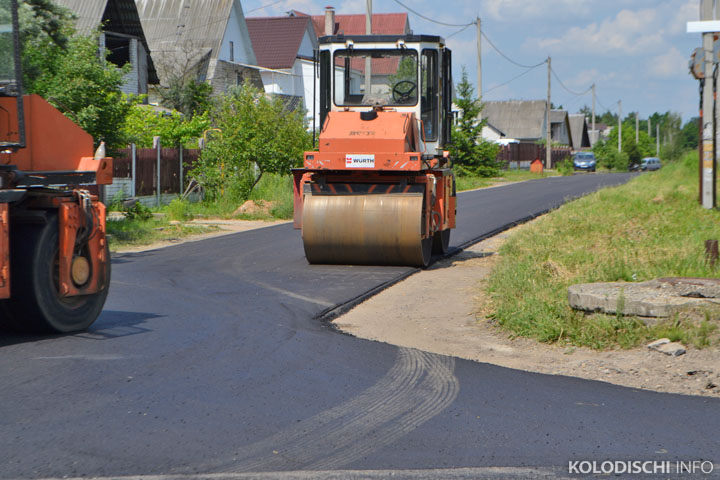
(472, 154)
(255, 135)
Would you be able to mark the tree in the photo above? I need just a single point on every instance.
(187, 96)
(87, 90)
(472, 154)
(256, 135)
(174, 129)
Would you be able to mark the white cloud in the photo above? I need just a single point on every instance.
(518, 10)
(628, 33)
(668, 64)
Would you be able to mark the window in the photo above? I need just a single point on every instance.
(430, 100)
(375, 77)
(232, 52)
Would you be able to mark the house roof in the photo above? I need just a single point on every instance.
(277, 40)
(579, 130)
(354, 24)
(117, 16)
(521, 119)
(558, 116)
(186, 32)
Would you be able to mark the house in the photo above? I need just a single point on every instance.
(284, 49)
(206, 40)
(492, 133)
(601, 132)
(354, 24)
(525, 120)
(121, 34)
(560, 128)
(579, 131)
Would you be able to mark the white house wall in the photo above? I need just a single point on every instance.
(237, 33)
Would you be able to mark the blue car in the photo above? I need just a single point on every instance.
(584, 161)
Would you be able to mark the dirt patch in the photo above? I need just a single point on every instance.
(440, 310)
(225, 227)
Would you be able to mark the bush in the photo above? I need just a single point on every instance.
(138, 211)
(179, 210)
(566, 167)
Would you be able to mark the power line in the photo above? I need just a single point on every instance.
(264, 6)
(514, 78)
(432, 19)
(577, 94)
(459, 31)
(508, 58)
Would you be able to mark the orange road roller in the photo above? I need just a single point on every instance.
(380, 189)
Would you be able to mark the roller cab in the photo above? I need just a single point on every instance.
(379, 190)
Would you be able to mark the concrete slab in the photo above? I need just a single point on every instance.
(657, 298)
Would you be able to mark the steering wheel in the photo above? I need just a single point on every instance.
(401, 94)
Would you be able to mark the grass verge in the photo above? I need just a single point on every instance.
(650, 227)
(134, 232)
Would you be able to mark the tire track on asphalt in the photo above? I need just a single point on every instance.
(418, 386)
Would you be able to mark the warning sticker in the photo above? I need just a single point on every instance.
(359, 161)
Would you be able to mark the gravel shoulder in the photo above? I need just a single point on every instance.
(440, 309)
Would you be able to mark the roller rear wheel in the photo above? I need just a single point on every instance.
(35, 304)
(441, 242)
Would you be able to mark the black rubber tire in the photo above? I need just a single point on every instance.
(426, 245)
(441, 242)
(34, 304)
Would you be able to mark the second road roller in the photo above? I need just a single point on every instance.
(380, 189)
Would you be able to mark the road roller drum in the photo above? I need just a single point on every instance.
(365, 229)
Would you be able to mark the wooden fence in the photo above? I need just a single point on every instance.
(146, 166)
(519, 155)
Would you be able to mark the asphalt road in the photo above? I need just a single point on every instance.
(209, 361)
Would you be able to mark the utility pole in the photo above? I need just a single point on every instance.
(479, 56)
(548, 132)
(595, 133)
(657, 140)
(368, 60)
(619, 126)
(637, 128)
(649, 135)
(708, 157)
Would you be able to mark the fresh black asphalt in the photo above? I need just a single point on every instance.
(209, 358)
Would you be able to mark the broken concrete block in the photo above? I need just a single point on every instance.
(664, 345)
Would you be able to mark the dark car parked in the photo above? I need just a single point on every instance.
(584, 161)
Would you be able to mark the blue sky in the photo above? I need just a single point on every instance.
(636, 51)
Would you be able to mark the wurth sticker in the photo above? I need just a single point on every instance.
(359, 161)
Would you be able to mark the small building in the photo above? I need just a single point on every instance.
(525, 120)
(560, 128)
(492, 133)
(284, 49)
(579, 131)
(121, 34)
(206, 40)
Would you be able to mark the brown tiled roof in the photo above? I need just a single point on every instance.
(382, 24)
(276, 40)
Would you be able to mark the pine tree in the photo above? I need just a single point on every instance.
(472, 154)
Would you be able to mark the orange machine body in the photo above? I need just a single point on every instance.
(52, 142)
(377, 155)
(56, 151)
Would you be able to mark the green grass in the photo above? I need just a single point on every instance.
(133, 232)
(463, 183)
(651, 227)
